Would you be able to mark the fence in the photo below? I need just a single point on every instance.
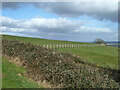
(56, 46)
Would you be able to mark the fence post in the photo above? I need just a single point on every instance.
(60, 45)
(47, 46)
(44, 46)
(57, 46)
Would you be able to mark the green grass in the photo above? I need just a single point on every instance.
(102, 56)
(39, 41)
(11, 78)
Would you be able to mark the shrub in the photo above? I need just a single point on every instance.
(57, 68)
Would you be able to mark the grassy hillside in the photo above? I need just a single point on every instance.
(103, 56)
(12, 76)
(39, 41)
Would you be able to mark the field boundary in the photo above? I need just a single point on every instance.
(56, 46)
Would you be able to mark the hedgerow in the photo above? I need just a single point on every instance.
(57, 68)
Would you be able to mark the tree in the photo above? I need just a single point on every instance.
(99, 41)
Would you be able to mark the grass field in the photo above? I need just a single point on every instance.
(12, 76)
(103, 56)
(39, 41)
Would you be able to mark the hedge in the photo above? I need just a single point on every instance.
(59, 69)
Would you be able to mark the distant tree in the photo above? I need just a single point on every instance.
(99, 41)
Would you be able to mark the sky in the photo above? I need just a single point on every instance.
(71, 21)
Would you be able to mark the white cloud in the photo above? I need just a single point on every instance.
(18, 30)
(54, 25)
(51, 23)
(92, 29)
(54, 28)
(41, 24)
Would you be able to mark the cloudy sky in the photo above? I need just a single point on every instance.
(72, 21)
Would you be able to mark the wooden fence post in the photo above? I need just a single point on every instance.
(44, 46)
(57, 46)
(60, 46)
(47, 46)
(79, 45)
